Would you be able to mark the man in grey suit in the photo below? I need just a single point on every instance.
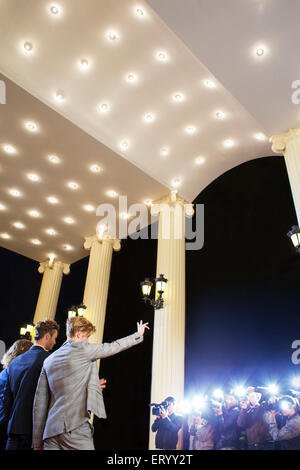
(69, 390)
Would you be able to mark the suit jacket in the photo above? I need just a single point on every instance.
(69, 388)
(23, 375)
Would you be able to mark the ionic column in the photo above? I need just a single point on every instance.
(97, 281)
(288, 144)
(169, 322)
(52, 276)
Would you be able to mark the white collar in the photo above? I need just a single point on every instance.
(40, 346)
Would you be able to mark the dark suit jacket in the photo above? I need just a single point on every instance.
(23, 375)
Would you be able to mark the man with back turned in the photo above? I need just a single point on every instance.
(23, 375)
(68, 389)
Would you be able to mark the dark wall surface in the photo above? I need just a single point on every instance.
(243, 299)
(243, 291)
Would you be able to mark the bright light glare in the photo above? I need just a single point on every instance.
(199, 402)
(218, 393)
(285, 405)
(184, 407)
(296, 382)
(273, 388)
(240, 391)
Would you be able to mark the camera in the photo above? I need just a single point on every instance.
(158, 408)
(273, 406)
(284, 403)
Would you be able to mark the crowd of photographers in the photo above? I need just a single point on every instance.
(253, 420)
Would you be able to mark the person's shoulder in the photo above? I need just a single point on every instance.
(177, 417)
(3, 374)
(21, 359)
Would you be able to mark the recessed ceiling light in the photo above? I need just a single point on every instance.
(67, 247)
(18, 225)
(51, 231)
(190, 129)
(149, 117)
(112, 193)
(131, 77)
(27, 46)
(139, 12)
(178, 97)
(34, 213)
(60, 96)
(220, 115)
(260, 136)
(162, 56)
(33, 177)
(55, 10)
(164, 151)
(73, 185)
(54, 159)
(260, 51)
(124, 144)
(95, 168)
(52, 200)
(51, 257)
(2, 207)
(104, 108)
(112, 35)
(176, 182)
(9, 149)
(69, 220)
(228, 143)
(84, 64)
(199, 160)
(31, 126)
(209, 84)
(35, 241)
(6, 236)
(15, 192)
(89, 208)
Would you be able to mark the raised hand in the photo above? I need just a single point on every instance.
(141, 327)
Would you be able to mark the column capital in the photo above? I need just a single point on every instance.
(279, 141)
(50, 265)
(172, 200)
(105, 238)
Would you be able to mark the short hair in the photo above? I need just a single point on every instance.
(43, 327)
(170, 400)
(75, 324)
(19, 347)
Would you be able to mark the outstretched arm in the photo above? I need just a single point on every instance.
(98, 351)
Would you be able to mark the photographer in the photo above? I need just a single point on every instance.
(202, 430)
(253, 418)
(226, 424)
(167, 424)
(289, 434)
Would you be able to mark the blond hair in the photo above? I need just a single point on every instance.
(75, 324)
(19, 347)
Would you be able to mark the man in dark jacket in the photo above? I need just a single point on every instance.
(23, 374)
(167, 425)
(253, 418)
(226, 424)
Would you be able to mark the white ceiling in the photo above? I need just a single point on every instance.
(202, 39)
